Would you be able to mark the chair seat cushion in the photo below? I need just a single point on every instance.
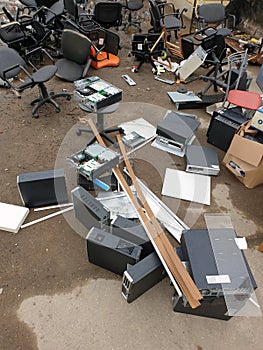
(171, 22)
(68, 70)
(134, 5)
(245, 99)
(44, 74)
(40, 76)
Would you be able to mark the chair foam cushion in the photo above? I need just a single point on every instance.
(40, 76)
(105, 60)
(68, 70)
(170, 22)
(245, 99)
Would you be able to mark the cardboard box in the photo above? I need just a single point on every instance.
(244, 157)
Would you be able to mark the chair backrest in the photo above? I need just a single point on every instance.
(71, 8)
(108, 14)
(215, 43)
(47, 3)
(10, 58)
(29, 3)
(155, 16)
(212, 13)
(75, 46)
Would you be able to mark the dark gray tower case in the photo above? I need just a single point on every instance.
(111, 252)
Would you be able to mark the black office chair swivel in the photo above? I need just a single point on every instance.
(161, 17)
(12, 64)
(132, 6)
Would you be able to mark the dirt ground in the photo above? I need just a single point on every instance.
(49, 258)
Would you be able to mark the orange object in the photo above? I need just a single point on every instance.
(260, 248)
(101, 59)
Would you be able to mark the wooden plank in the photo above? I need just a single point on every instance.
(181, 275)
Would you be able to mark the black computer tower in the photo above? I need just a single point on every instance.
(197, 249)
(223, 125)
(142, 276)
(111, 252)
(134, 232)
(88, 210)
(42, 188)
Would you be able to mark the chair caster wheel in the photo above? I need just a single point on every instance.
(35, 115)
(68, 98)
(51, 93)
(58, 110)
(78, 133)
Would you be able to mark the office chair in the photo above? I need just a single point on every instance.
(108, 14)
(234, 77)
(132, 6)
(78, 20)
(12, 64)
(213, 14)
(172, 21)
(76, 51)
(19, 37)
(147, 47)
(236, 91)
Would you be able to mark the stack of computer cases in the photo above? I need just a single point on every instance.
(124, 248)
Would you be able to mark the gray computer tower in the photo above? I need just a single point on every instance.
(202, 160)
(197, 249)
(177, 127)
(88, 210)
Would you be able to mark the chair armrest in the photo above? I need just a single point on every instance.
(163, 5)
(7, 79)
(41, 50)
(9, 69)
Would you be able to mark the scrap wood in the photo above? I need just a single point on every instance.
(260, 248)
(162, 245)
(175, 49)
(173, 261)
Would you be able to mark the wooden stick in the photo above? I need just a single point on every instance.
(181, 275)
(157, 42)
